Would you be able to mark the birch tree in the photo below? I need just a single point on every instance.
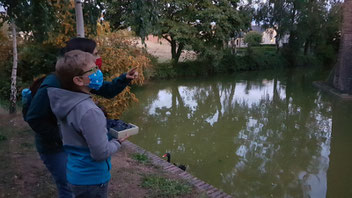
(13, 13)
(13, 95)
(79, 19)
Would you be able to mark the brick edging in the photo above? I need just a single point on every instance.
(210, 190)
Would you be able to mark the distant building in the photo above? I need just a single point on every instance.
(268, 37)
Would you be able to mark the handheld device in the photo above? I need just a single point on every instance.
(119, 129)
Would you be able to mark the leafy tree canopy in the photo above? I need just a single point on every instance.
(42, 20)
(200, 24)
(309, 24)
(253, 38)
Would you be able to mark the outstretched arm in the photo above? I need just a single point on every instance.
(117, 85)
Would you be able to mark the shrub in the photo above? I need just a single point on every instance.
(164, 71)
(36, 59)
(260, 58)
(119, 55)
(253, 38)
(116, 48)
(193, 68)
(326, 54)
(33, 60)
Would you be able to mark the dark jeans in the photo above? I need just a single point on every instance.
(56, 164)
(90, 191)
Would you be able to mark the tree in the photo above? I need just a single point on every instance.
(79, 19)
(274, 14)
(90, 13)
(119, 55)
(13, 95)
(12, 15)
(342, 77)
(253, 38)
(200, 24)
(38, 22)
(311, 26)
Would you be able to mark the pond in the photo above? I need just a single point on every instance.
(251, 134)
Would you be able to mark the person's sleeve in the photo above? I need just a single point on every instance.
(93, 126)
(41, 119)
(111, 89)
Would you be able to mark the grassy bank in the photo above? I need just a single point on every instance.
(255, 59)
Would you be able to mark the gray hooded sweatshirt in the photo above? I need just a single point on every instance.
(84, 134)
(82, 123)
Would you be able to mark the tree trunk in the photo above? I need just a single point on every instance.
(343, 74)
(277, 43)
(12, 108)
(79, 19)
(277, 40)
(176, 51)
(179, 51)
(306, 46)
(173, 49)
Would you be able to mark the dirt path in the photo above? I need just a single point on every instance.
(22, 173)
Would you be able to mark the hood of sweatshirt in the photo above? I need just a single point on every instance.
(63, 101)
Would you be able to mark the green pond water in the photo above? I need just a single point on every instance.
(252, 134)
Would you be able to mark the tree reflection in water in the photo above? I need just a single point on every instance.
(252, 135)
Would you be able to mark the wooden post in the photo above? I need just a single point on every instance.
(79, 19)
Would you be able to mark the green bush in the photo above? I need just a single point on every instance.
(253, 38)
(260, 58)
(267, 59)
(307, 60)
(33, 60)
(327, 54)
(193, 68)
(168, 70)
(36, 59)
(164, 71)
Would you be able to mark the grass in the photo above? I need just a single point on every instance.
(141, 158)
(163, 187)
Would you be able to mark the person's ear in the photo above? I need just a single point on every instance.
(77, 80)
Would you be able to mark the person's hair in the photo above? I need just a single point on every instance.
(71, 65)
(36, 84)
(83, 44)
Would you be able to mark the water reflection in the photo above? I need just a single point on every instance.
(252, 136)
